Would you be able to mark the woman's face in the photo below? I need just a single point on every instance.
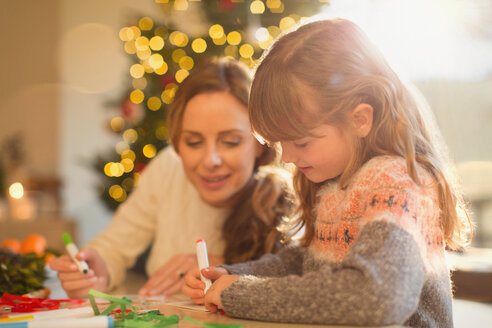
(216, 146)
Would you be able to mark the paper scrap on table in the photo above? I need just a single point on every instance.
(188, 305)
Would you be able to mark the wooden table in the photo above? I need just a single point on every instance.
(134, 281)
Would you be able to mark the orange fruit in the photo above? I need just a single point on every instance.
(48, 257)
(12, 245)
(34, 243)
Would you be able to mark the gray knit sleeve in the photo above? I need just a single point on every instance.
(377, 283)
(285, 261)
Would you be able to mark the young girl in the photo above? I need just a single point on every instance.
(376, 205)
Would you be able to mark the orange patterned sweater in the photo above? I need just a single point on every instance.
(381, 190)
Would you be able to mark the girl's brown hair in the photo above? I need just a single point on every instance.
(252, 227)
(333, 63)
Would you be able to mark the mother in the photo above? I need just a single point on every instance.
(214, 183)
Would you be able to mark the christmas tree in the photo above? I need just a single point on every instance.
(164, 53)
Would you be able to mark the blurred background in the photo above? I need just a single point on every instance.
(84, 86)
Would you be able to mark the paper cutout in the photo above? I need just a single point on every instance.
(25, 304)
(127, 315)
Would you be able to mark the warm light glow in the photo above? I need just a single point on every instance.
(130, 47)
(149, 151)
(231, 51)
(277, 6)
(16, 190)
(287, 23)
(181, 4)
(178, 39)
(181, 75)
(121, 146)
(199, 45)
(117, 124)
(262, 34)
(156, 43)
(142, 43)
(127, 165)
(116, 169)
(161, 132)
(154, 103)
(167, 95)
(257, 7)
(130, 136)
(145, 23)
(145, 54)
(234, 38)
(186, 63)
(137, 71)
(162, 70)
(220, 41)
(216, 31)
(140, 83)
(136, 32)
(137, 96)
(156, 61)
(130, 154)
(246, 51)
(177, 55)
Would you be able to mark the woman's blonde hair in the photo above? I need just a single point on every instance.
(251, 228)
(333, 64)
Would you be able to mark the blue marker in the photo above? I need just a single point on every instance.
(94, 322)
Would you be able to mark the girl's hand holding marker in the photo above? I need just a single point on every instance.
(204, 284)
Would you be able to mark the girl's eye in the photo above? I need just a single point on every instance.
(300, 144)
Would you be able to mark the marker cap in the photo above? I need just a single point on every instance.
(66, 238)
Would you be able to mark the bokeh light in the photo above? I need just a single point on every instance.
(16, 190)
(156, 43)
(137, 96)
(149, 151)
(199, 45)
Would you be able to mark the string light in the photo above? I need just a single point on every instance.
(145, 23)
(186, 62)
(156, 43)
(137, 96)
(199, 45)
(117, 124)
(257, 7)
(156, 61)
(234, 38)
(137, 71)
(181, 75)
(163, 69)
(149, 151)
(154, 103)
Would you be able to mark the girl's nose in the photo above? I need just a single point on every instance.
(288, 155)
(212, 158)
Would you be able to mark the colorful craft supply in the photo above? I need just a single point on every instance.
(127, 315)
(25, 304)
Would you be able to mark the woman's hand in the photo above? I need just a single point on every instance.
(212, 298)
(75, 283)
(194, 287)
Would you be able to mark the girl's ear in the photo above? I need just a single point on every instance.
(362, 119)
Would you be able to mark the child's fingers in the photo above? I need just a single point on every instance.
(214, 273)
(194, 281)
(193, 293)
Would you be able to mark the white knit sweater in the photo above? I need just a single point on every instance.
(166, 208)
